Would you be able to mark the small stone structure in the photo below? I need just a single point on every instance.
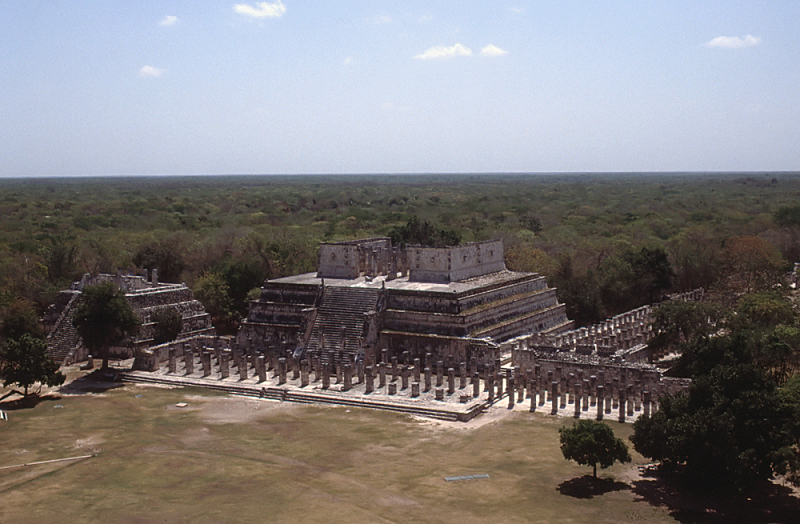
(145, 297)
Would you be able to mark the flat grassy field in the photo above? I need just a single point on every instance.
(233, 460)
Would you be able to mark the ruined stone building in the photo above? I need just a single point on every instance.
(368, 295)
(145, 297)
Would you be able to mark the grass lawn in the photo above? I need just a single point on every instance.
(231, 460)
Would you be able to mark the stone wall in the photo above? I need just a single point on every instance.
(452, 264)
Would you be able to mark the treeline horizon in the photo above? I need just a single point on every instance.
(607, 241)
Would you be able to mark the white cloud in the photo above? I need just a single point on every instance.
(150, 72)
(444, 52)
(425, 19)
(517, 10)
(347, 61)
(493, 50)
(734, 42)
(169, 20)
(261, 9)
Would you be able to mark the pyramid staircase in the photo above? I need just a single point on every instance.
(342, 308)
(63, 338)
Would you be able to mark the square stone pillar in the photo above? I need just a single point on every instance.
(577, 390)
(242, 369)
(600, 402)
(622, 404)
(261, 366)
(224, 364)
(511, 393)
(173, 364)
(451, 381)
(404, 373)
(490, 386)
(439, 373)
(326, 375)
(205, 358)
(188, 360)
(393, 388)
(476, 385)
(585, 394)
(370, 379)
(608, 394)
(554, 397)
(385, 356)
(394, 369)
(427, 379)
(462, 375)
(416, 369)
(304, 373)
(348, 377)
(415, 389)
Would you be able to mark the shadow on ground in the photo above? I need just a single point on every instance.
(588, 486)
(769, 503)
(19, 401)
(97, 381)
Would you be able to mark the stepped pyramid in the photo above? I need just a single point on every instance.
(448, 302)
(145, 297)
(343, 314)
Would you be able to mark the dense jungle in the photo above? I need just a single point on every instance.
(608, 242)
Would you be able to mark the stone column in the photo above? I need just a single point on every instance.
(548, 392)
(615, 399)
(427, 379)
(348, 377)
(577, 389)
(295, 369)
(554, 397)
(462, 375)
(629, 399)
(394, 369)
(404, 372)
(533, 401)
(415, 389)
(416, 369)
(304, 373)
(585, 394)
(476, 385)
(622, 404)
(382, 374)
(262, 368)
(370, 385)
(608, 394)
(188, 360)
(205, 359)
(511, 395)
(326, 375)
(439, 373)
(490, 386)
(392, 388)
(173, 364)
(242, 369)
(592, 388)
(224, 364)
(646, 403)
(385, 356)
(282, 365)
(451, 381)
(600, 402)
(571, 398)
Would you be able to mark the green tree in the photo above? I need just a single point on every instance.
(589, 442)
(731, 428)
(167, 325)
(677, 323)
(424, 233)
(20, 318)
(213, 292)
(25, 361)
(166, 258)
(104, 318)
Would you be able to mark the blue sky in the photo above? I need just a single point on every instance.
(213, 87)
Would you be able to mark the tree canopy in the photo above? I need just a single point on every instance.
(25, 361)
(738, 422)
(589, 443)
(104, 318)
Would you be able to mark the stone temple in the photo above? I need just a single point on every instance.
(456, 302)
(145, 297)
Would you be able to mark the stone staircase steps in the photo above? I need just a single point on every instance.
(342, 308)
